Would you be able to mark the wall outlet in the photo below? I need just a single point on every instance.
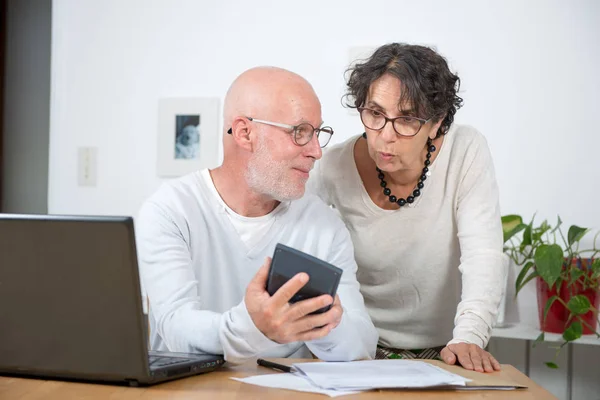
(87, 166)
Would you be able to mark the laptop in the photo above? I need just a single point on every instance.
(71, 305)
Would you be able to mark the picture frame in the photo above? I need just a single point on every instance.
(188, 135)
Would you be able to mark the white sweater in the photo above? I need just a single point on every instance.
(410, 260)
(195, 270)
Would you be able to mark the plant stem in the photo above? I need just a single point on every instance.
(589, 326)
(569, 250)
(579, 317)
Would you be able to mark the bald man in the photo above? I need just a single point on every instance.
(205, 239)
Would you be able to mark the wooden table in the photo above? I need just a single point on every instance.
(217, 385)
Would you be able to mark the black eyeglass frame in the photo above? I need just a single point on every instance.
(392, 120)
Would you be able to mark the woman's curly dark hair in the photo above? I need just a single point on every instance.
(428, 86)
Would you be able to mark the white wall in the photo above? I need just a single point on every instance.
(26, 106)
(529, 73)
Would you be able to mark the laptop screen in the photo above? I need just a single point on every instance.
(70, 300)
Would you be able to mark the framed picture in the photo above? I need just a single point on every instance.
(188, 135)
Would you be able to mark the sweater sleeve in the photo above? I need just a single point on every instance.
(182, 322)
(482, 263)
(355, 337)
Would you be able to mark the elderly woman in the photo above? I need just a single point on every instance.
(419, 196)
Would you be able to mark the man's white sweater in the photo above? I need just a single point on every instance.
(195, 269)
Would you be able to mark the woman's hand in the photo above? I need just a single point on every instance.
(470, 356)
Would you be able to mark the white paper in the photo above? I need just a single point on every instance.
(291, 382)
(378, 374)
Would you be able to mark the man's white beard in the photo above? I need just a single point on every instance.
(268, 176)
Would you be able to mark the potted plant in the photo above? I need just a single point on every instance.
(567, 278)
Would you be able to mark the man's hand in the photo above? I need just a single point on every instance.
(283, 322)
(470, 356)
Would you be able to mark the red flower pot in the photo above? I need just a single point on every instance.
(558, 314)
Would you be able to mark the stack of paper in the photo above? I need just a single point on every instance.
(340, 378)
(378, 374)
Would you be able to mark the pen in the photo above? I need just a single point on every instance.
(272, 365)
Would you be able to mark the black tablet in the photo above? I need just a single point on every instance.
(287, 262)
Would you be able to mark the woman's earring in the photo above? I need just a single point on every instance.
(364, 135)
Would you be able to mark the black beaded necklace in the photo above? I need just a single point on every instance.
(417, 192)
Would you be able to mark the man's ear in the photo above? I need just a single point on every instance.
(241, 132)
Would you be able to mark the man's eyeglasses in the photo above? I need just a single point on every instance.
(302, 133)
(404, 125)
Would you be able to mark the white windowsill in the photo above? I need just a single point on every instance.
(527, 332)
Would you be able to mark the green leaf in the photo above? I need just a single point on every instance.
(595, 269)
(537, 233)
(511, 225)
(575, 274)
(548, 262)
(521, 276)
(510, 222)
(575, 234)
(526, 237)
(549, 303)
(539, 339)
(551, 365)
(533, 274)
(513, 232)
(579, 304)
(573, 332)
